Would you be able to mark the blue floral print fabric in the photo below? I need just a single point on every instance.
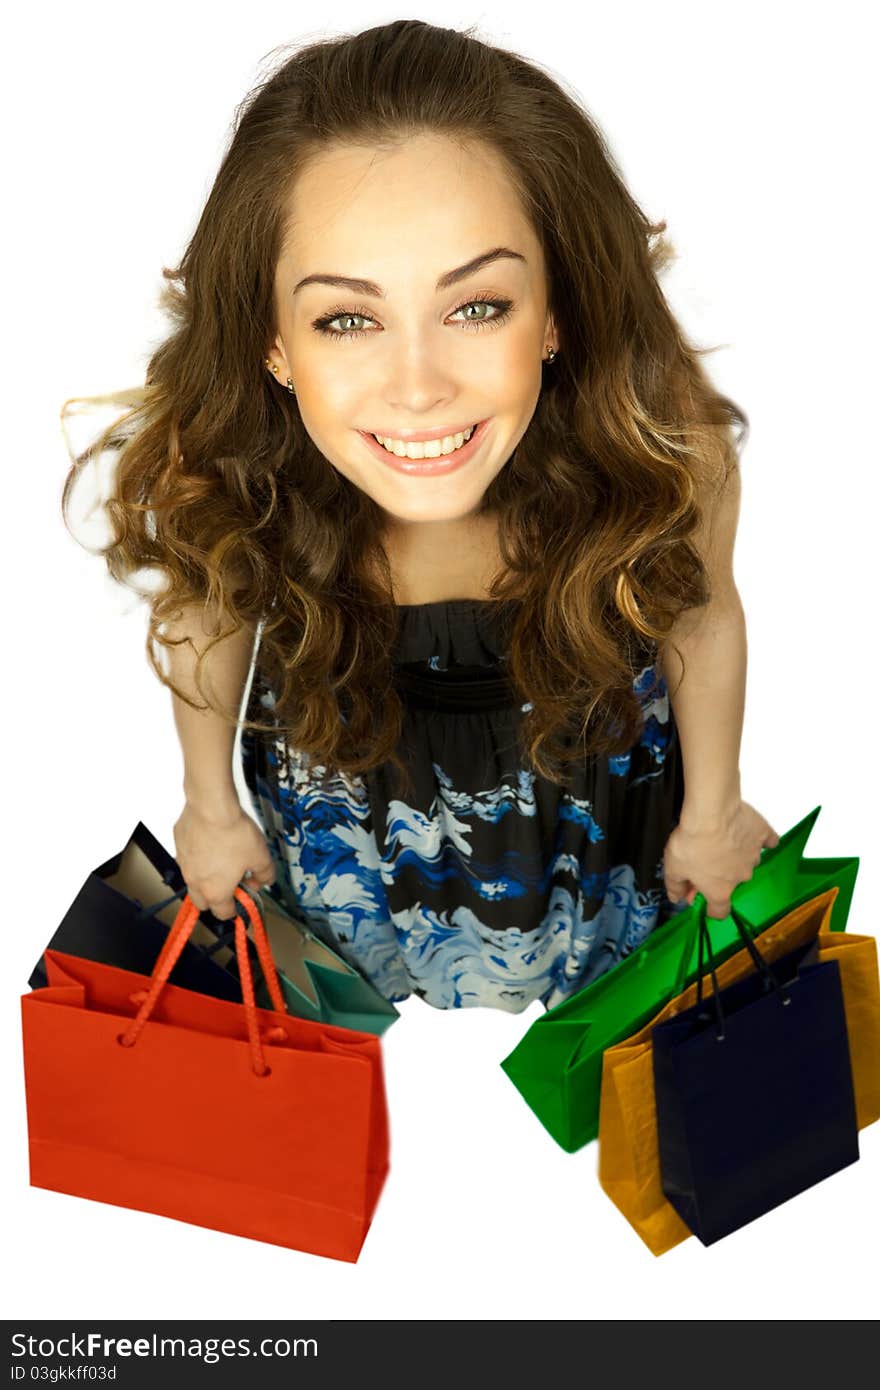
(490, 885)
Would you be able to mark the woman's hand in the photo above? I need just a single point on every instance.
(215, 851)
(713, 857)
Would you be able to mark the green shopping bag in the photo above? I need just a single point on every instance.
(557, 1065)
(783, 878)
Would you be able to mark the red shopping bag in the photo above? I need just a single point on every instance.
(246, 1120)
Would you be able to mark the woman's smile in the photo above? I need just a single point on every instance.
(429, 466)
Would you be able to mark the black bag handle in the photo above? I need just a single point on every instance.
(168, 877)
(225, 937)
(761, 964)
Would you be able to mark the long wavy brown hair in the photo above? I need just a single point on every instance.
(220, 494)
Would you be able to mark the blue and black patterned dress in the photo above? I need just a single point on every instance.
(491, 885)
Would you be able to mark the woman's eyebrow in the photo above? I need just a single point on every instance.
(347, 282)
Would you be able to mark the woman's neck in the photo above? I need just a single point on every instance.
(436, 560)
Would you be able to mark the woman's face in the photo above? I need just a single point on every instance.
(416, 358)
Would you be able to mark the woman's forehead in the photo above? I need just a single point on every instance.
(352, 215)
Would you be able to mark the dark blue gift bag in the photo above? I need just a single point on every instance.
(122, 916)
(754, 1095)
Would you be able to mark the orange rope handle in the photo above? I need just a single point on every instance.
(264, 950)
(180, 933)
(276, 1034)
(258, 1061)
(166, 946)
(178, 936)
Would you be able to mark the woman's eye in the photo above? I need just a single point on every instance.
(501, 308)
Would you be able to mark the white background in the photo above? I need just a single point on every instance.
(750, 129)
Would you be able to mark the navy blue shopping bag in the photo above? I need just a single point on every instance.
(122, 915)
(754, 1093)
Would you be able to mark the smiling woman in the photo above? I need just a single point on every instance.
(425, 421)
(434, 353)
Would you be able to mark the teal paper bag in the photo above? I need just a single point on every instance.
(316, 982)
(557, 1065)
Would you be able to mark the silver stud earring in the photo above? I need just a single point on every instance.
(551, 354)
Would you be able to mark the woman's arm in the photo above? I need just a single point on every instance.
(708, 700)
(708, 703)
(205, 738)
(719, 837)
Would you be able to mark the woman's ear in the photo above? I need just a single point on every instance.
(274, 356)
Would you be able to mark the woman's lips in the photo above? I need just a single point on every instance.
(445, 463)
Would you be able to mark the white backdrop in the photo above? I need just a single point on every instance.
(750, 129)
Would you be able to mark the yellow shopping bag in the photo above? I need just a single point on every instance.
(629, 1160)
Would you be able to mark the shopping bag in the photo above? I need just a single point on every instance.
(557, 1064)
(629, 1162)
(785, 878)
(124, 911)
(315, 981)
(146, 1095)
(753, 1090)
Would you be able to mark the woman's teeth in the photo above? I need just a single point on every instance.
(429, 448)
